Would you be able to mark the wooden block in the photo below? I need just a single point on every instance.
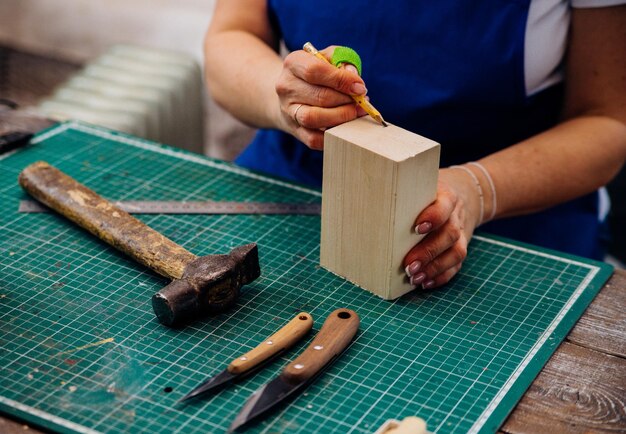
(376, 182)
(408, 425)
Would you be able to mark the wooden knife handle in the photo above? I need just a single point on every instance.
(87, 209)
(336, 334)
(284, 338)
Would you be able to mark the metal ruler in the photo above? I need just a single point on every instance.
(195, 207)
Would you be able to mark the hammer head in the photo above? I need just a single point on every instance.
(210, 284)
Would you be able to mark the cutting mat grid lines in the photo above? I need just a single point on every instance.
(80, 347)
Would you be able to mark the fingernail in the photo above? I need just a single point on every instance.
(429, 284)
(351, 68)
(413, 268)
(423, 228)
(359, 89)
(417, 279)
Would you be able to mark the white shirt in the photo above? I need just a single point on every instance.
(547, 30)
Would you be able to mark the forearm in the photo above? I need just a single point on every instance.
(241, 71)
(572, 159)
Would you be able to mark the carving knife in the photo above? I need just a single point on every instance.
(255, 359)
(336, 334)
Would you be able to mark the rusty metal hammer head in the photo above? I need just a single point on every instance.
(210, 284)
(200, 284)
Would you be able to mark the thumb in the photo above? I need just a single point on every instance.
(349, 67)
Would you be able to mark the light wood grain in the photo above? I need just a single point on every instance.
(376, 182)
(408, 425)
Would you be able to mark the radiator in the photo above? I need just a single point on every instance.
(150, 93)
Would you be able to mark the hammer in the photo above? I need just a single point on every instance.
(206, 284)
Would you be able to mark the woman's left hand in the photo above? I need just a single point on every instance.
(448, 223)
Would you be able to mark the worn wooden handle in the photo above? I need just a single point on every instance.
(284, 338)
(409, 425)
(336, 333)
(104, 220)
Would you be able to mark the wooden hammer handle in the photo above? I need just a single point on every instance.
(103, 219)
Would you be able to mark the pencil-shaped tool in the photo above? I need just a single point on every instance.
(359, 99)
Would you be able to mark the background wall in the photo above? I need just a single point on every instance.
(80, 30)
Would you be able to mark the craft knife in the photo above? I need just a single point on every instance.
(256, 358)
(336, 334)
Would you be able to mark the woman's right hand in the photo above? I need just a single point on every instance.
(315, 95)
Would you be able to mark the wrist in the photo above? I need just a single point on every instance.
(467, 192)
(489, 190)
(484, 189)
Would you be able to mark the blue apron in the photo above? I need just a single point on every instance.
(448, 70)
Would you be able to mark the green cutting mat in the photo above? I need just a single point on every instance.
(81, 350)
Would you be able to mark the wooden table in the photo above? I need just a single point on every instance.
(582, 389)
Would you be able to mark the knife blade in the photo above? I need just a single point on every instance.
(11, 141)
(336, 334)
(255, 359)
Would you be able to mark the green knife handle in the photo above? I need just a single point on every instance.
(336, 334)
(284, 338)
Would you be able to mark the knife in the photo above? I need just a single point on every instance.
(336, 334)
(256, 358)
(11, 141)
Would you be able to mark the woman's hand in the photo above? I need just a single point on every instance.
(448, 223)
(315, 95)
